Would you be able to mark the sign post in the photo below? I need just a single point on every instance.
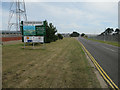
(24, 44)
(33, 32)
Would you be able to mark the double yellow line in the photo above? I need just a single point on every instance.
(102, 72)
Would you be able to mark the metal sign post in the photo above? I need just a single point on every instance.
(33, 42)
(43, 45)
(24, 44)
(33, 45)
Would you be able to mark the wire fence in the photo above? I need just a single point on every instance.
(114, 38)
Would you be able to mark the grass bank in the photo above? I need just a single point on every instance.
(61, 64)
(107, 42)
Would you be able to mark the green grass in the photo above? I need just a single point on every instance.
(107, 42)
(60, 64)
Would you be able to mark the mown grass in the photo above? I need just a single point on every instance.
(60, 64)
(107, 42)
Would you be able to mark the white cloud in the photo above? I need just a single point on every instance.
(71, 25)
(84, 17)
(103, 7)
(4, 15)
(0, 17)
(64, 0)
(60, 12)
(68, 18)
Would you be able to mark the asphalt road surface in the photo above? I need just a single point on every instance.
(106, 55)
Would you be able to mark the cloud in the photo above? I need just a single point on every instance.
(84, 17)
(64, 0)
(59, 12)
(0, 16)
(5, 15)
(102, 7)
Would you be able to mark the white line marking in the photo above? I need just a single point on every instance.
(109, 49)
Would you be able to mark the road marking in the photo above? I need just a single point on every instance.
(109, 49)
(102, 72)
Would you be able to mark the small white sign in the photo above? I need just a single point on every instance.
(33, 23)
(34, 39)
(38, 39)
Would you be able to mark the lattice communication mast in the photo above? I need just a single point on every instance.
(17, 14)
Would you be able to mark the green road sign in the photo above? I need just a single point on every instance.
(40, 30)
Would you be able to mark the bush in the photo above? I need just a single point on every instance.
(82, 35)
(60, 36)
(74, 34)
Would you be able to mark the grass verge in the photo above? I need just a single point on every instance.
(61, 64)
(107, 42)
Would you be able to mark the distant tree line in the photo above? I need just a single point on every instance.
(110, 31)
(76, 34)
(51, 31)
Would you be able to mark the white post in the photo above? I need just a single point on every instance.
(33, 42)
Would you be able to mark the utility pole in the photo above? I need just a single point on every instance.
(17, 14)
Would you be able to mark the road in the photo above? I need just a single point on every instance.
(106, 55)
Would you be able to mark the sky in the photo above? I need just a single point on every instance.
(83, 17)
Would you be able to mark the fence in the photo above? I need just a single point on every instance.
(114, 38)
(11, 37)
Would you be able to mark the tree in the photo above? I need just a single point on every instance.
(102, 34)
(50, 32)
(74, 34)
(82, 35)
(108, 31)
(117, 31)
